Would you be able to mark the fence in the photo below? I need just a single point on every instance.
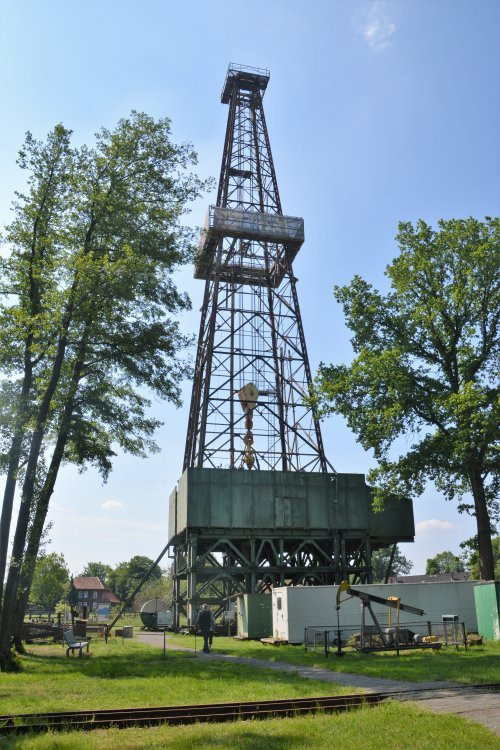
(413, 635)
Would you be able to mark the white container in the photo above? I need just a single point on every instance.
(298, 607)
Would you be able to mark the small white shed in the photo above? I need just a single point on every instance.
(298, 607)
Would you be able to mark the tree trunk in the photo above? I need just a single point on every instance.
(8, 502)
(15, 458)
(37, 525)
(18, 643)
(37, 253)
(13, 578)
(485, 548)
(38, 521)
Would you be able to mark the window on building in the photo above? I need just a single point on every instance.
(94, 605)
(85, 594)
(94, 594)
(80, 594)
(278, 601)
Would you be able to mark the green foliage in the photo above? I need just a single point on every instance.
(426, 367)
(444, 562)
(88, 317)
(97, 569)
(30, 275)
(61, 608)
(125, 577)
(91, 286)
(380, 560)
(72, 597)
(472, 560)
(50, 581)
(160, 588)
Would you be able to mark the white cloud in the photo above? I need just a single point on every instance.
(56, 506)
(111, 504)
(378, 29)
(433, 525)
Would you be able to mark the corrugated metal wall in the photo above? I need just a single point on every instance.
(488, 610)
(253, 615)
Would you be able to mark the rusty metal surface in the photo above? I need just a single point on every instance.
(216, 712)
(126, 717)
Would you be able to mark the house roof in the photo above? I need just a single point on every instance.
(113, 599)
(87, 582)
(437, 578)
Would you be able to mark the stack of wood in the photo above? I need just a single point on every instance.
(41, 631)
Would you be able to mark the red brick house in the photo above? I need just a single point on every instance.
(113, 599)
(88, 593)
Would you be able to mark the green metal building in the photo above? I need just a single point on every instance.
(254, 616)
(236, 531)
(487, 598)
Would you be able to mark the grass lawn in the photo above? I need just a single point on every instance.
(394, 726)
(132, 674)
(131, 618)
(479, 664)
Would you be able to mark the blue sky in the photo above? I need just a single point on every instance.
(377, 111)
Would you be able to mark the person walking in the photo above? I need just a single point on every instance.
(204, 623)
(212, 629)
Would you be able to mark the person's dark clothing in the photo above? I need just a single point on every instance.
(212, 628)
(204, 619)
(204, 622)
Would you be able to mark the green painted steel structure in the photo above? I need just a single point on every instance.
(238, 531)
(287, 521)
(487, 600)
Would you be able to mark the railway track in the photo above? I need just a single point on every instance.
(212, 712)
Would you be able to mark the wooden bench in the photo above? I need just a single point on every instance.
(73, 644)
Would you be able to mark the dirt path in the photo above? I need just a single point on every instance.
(477, 705)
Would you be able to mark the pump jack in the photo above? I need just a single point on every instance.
(366, 603)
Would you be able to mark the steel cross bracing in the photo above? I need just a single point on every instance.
(214, 569)
(251, 329)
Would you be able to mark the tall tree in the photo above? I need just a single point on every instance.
(112, 311)
(426, 366)
(381, 558)
(444, 562)
(98, 569)
(471, 560)
(157, 588)
(50, 581)
(31, 274)
(125, 577)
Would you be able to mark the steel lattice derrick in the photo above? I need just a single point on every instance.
(250, 329)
